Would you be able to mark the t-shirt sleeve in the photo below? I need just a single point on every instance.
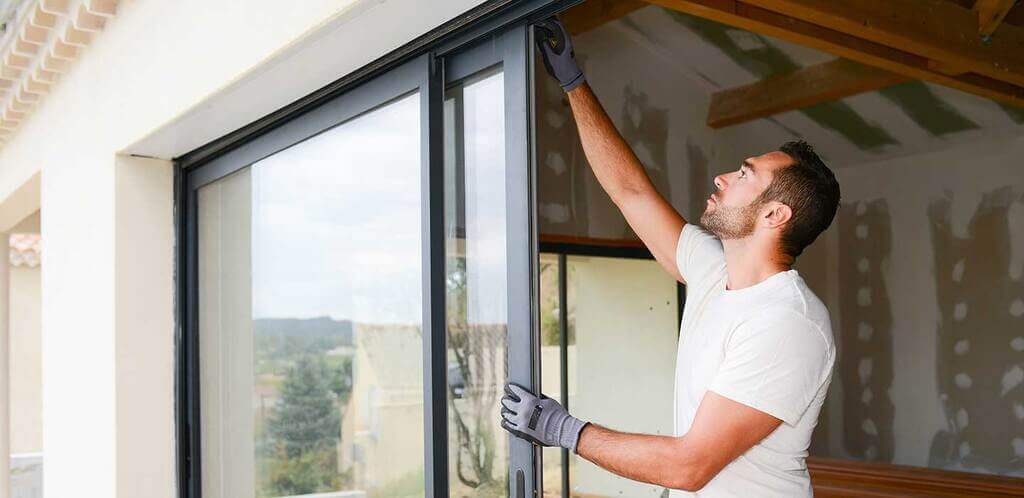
(775, 364)
(698, 253)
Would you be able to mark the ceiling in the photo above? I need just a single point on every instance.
(901, 119)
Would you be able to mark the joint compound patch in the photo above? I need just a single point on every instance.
(979, 367)
(866, 370)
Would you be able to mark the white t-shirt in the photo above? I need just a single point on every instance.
(768, 346)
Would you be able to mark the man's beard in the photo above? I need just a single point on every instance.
(731, 222)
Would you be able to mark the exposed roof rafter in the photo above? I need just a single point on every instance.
(822, 31)
(991, 13)
(802, 88)
(938, 30)
(593, 13)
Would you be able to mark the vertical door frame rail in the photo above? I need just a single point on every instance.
(512, 50)
(414, 67)
(563, 357)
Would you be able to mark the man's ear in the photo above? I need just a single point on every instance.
(777, 215)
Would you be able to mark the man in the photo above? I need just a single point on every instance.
(755, 347)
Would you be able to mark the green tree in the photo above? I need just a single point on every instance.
(340, 378)
(310, 472)
(305, 428)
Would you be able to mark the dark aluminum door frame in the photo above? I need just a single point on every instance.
(410, 68)
(420, 75)
(513, 50)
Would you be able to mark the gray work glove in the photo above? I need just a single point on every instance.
(556, 48)
(540, 420)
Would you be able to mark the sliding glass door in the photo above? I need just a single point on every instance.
(309, 304)
(359, 284)
(489, 243)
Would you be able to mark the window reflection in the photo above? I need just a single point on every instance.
(551, 362)
(476, 283)
(310, 316)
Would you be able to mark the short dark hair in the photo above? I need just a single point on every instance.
(810, 190)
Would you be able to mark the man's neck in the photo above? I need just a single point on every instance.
(749, 262)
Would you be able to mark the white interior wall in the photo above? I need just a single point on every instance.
(622, 370)
(910, 185)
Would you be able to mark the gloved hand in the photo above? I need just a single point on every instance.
(540, 420)
(556, 48)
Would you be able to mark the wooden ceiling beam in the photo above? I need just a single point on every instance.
(1015, 17)
(766, 22)
(593, 13)
(936, 29)
(991, 13)
(825, 82)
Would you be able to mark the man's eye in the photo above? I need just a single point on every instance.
(743, 174)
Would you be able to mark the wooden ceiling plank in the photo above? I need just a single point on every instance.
(812, 85)
(937, 29)
(769, 23)
(593, 13)
(991, 13)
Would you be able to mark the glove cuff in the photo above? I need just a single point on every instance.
(570, 434)
(577, 81)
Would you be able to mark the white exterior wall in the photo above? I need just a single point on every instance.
(160, 80)
(26, 368)
(26, 403)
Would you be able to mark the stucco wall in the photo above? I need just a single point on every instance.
(26, 404)
(162, 78)
(26, 365)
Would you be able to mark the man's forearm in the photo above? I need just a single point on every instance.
(660, 460)
(615, 165)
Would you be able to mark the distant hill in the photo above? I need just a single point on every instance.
(323, 327)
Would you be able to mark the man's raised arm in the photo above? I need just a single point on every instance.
(616, 167)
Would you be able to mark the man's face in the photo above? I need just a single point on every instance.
(732, 211)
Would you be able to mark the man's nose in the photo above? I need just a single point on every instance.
(720, 182)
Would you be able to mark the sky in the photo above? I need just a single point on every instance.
(336, 219)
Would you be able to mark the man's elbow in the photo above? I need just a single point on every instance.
(630, 191)
(691, 474)
(690, 481)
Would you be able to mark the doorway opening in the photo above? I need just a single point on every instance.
(932, 207)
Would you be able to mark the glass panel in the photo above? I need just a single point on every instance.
(477, 300)
(622, 312)
(310, 316)
(551, 362)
